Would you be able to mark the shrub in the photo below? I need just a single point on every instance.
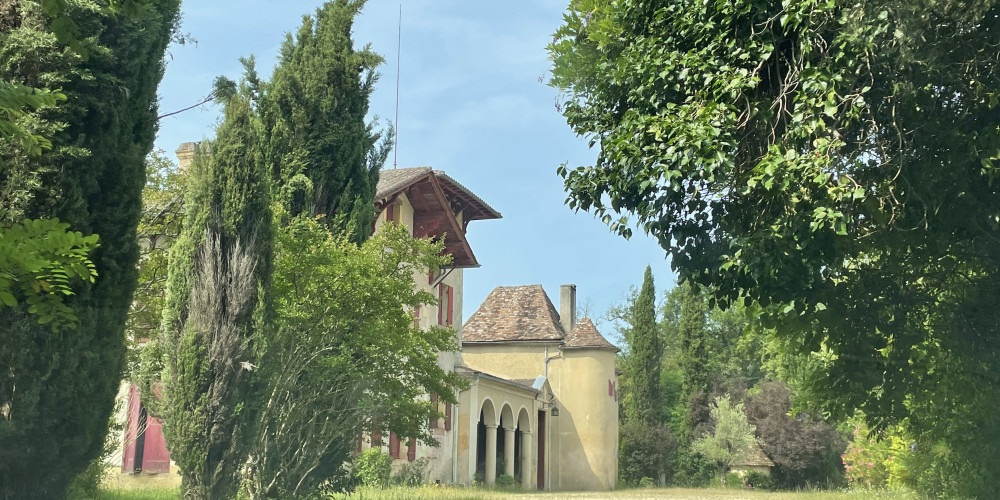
(412, 473)
(644, 451)
(506, 481)
(647, 482)
(758, 480)
(373, 468)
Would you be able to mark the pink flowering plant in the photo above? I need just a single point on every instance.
(867, 458)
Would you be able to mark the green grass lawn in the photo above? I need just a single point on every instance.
(434, 493)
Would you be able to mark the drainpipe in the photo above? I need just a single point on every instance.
(454, 443)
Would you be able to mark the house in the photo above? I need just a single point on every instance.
(542, 401)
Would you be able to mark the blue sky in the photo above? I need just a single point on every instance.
(473, 103)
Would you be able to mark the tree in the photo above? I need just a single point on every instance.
(90, 178)
(731, 439)
(217, 307)
(314, 110)
(339, 366)
(693, 361)
(824, 160)
(642, 401)
(805, 449)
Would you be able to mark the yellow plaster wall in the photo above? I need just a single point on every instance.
(586, 430)
(508, 360)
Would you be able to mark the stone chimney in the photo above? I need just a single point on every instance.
(567, 307)
(185, 155)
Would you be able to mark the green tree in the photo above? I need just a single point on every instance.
(731, 439)
(642, 403)
(314, 110)
(90, 178)
(693, 360)
(826, 160)
(217, 307)
(338, 367)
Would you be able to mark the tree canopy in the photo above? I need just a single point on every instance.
(834, 162)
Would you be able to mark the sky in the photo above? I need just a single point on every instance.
(473, 102)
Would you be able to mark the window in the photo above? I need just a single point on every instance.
(434, 403)
(416, 317)
(447, 416)
(411, 449)
(446, 305)
(376, 440)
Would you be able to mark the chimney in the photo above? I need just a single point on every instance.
(567, 307)
(185, 155)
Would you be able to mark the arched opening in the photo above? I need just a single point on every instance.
(523, 449)
(486, 444)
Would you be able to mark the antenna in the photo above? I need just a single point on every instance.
(399, 44)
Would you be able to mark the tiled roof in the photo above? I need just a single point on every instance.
(512, 313)
(757, 458)
(392, 180)
(585, 334)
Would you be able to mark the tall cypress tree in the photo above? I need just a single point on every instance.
(57, 388)
(645, 352)
(694, 357)
(217, 306)
(314, 111)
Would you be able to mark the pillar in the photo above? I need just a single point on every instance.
(491, 454)
(508, 451)
(526, 482)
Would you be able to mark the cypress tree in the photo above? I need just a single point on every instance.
(694, 358)
(57, 388)
(645, 352)
(314, 110)
(217, 306)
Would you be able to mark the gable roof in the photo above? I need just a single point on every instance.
(585, 334)
(756, 458)
(394, 181)
(514, 313)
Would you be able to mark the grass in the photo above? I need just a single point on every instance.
(448, 493)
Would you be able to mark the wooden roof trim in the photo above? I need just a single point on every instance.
(454, 223)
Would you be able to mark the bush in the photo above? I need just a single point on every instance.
(506, 481)
(373, 468)
(412, 473)
(647, 482)
(691, 471)
(758, 480)
(644, 451)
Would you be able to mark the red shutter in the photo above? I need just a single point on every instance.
(447, 416)
(393, 445)
(411, 449)
(451, 304)
(376, 440)
(441, 304)
(430, 277)
(434, 419)
(416, 317)
(389, 215)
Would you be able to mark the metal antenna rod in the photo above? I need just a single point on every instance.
(399, 44)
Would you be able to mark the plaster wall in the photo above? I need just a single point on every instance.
(586, 430)
(509, 359)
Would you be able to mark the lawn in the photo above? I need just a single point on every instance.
(434, 493)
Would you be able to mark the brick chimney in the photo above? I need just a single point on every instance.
(567, 307)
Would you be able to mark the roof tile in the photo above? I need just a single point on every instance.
(512, 313)
(585, 334)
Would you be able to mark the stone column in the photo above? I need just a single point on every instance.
(491, 454)
(508, 451)
(526, 453)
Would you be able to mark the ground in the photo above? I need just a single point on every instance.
(428, 493)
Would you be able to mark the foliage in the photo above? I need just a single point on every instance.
(217, 308)
(159, 227)
(38, 260)
(412, 473)
(313, 112)
(644, 450)
(759, 481)
(804, 448)
(88, 484)
(825, 160)
(692, 359)
(337, 366)
(641, 394)
(866, 458)
(732, 438)
(506, 481)
(373, 467)
(90, 178)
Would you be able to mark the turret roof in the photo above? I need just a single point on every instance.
(514, 313)
(585, 334)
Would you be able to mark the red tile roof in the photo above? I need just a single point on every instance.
(585, 334)
(514, 313)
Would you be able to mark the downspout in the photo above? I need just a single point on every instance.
(454, 443)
